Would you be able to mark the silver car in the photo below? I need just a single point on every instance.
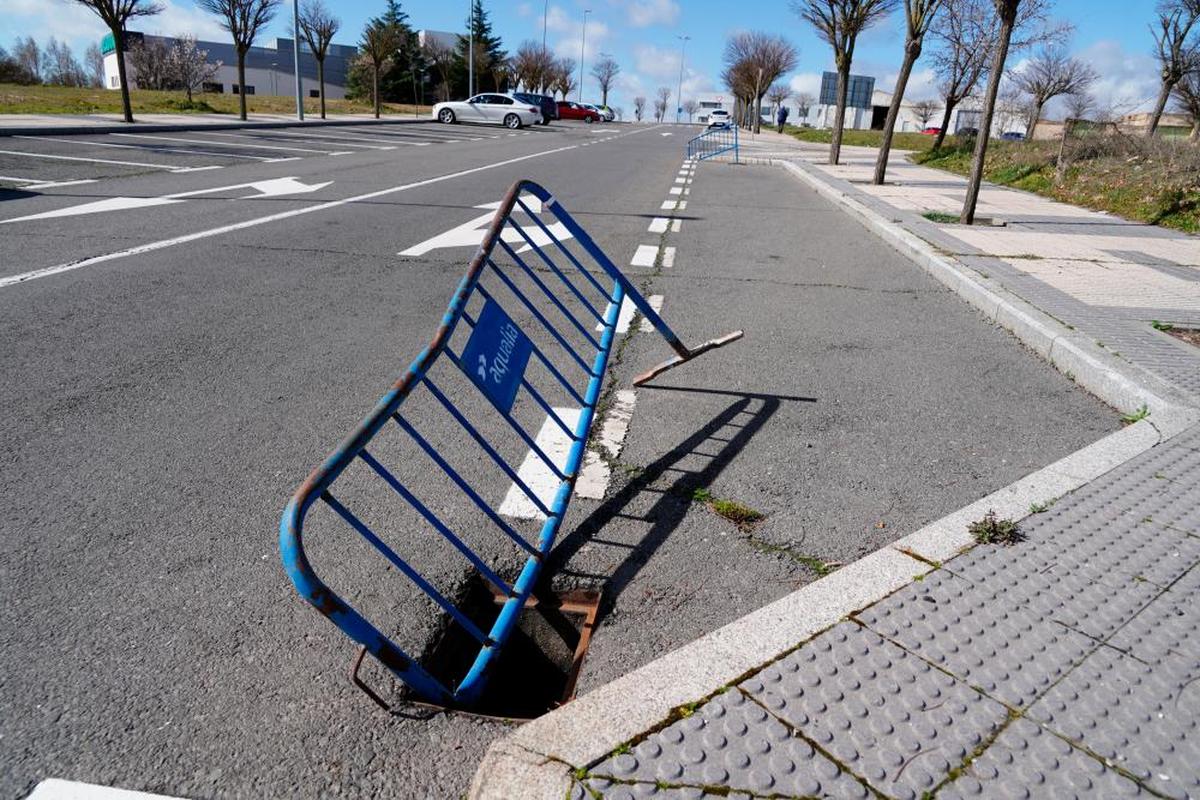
(495, 108)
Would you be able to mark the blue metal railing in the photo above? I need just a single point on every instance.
(714, 142)
(494, 359)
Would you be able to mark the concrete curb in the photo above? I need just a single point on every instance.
(538, 759)
(172, 127)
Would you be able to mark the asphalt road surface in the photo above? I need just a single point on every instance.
(188, 333)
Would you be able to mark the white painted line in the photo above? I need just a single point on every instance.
(681, 180)
(658, 225)
(20, 180)
(150, 147)
(594, 477)
(656, 303)
(668, 257)
(221, 144)
(667, 205)
(536, 474)
(251, 223)
(628, 309)
(167, 167)
(676, 190)
(666, 134)
(645, 255)
(391, 142)
(218, 166)
(56, 789)
(681, 206)
(676, 224)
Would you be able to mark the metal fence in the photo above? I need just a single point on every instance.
(714, 142)
(525, 340)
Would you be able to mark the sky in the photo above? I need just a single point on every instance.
(644, 37)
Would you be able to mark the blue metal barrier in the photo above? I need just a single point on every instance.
(714, 142)
(494, 359)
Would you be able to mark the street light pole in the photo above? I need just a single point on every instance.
(296, 53)
(471, 48)
(545, 14)
(582, 44)
(679, 92)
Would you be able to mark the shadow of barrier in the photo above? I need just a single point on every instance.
(526, 337)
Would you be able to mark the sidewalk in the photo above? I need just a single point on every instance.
(49, 124)
(1065, 665)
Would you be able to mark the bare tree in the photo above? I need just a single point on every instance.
(918, 16)
(1011, 107)
(1080, 105)
(564, 77)
(1006, 13)
(28, 55)
(690, 107)
(532, 66)
(318, 27)
(777, 95)
(244, 19)
(380, 41)
(804, 102)
(115, 14)
(1049, 74)
(761, 59)
(1178, 53)
(442, 58)
(61, 67)
(605, 71)
(1187, 97)
(966, 33)
(924, 110)
(150, 59)
(662, 98)
(639, 107)
(839, 22)
(93, 62)
(188, 65)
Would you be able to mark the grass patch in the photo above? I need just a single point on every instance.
(1040, 508)
(940, 217)
(857, 138)
(1161, 326)
(1153, 181)
(991, 530)
(741, 515)
(16, 99)
(1135, 416)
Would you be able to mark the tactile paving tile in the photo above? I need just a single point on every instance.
(885, 715)
(611, 790)
(984, 638)
(1141, 718)
(1168, 631)
(1026, 761)
(732, 742)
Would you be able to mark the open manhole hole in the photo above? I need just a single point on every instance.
(536, 671)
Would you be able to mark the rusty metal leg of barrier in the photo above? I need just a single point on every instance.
(685, 355)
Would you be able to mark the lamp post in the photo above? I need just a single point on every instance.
(582, 44)
(679, 92)
(545, 15)
(296, 53)
(471, 48)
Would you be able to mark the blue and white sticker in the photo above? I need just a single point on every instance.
(496, 355)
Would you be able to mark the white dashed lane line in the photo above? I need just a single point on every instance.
(56, 789)
(660, 225)
(645, 256)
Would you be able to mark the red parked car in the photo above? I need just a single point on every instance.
(569, 110)
(934, 131)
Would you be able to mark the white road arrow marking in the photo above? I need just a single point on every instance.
(471, 233)
(274, 187)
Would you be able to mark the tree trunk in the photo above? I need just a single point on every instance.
(1159, 107)
(757, 114)
(321, 83)
(241, 84)
(604, 95)
(1195, 137)
(1037, 117)
(119, 41)
(375, 88)
(839, 117)
(941, 134)
(1007, 20)
(911, 53)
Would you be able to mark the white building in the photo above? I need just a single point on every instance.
(269, 68)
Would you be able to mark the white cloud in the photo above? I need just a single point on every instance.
(178, 18)
(1128, 81)
(643, 13)
(524, 10)
(71, 22)
(806, 82)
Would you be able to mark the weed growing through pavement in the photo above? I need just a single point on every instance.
(991, 530)
(1039, 508)
(940, 217)
(739, 514)
(1161, 326)
(1135, 416)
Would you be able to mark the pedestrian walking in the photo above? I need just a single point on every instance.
(781, 117)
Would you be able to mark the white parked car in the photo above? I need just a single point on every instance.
(719, 118)
(500, 109)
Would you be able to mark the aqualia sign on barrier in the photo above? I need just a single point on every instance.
(496, 355)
